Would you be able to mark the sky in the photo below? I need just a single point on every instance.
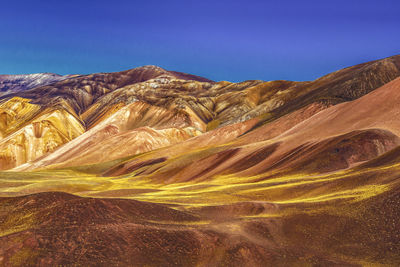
(217, 39)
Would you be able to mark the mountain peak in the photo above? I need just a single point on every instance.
(155, 71)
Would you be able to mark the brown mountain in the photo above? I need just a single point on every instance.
(162, 168)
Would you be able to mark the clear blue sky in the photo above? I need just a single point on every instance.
(218, 39)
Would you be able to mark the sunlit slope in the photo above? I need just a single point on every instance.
(135, 128)
(14, 113)
(39, 137)
(117, 145)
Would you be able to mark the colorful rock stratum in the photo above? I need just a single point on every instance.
(149, 167)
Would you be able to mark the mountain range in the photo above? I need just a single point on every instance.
(150, 167)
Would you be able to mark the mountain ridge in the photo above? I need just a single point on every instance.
(202, 105)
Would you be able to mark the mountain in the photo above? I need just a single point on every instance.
(161, 168)
(332, 139)
(65, 102)
(168, 100)
(16, 83)
(84, 90)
